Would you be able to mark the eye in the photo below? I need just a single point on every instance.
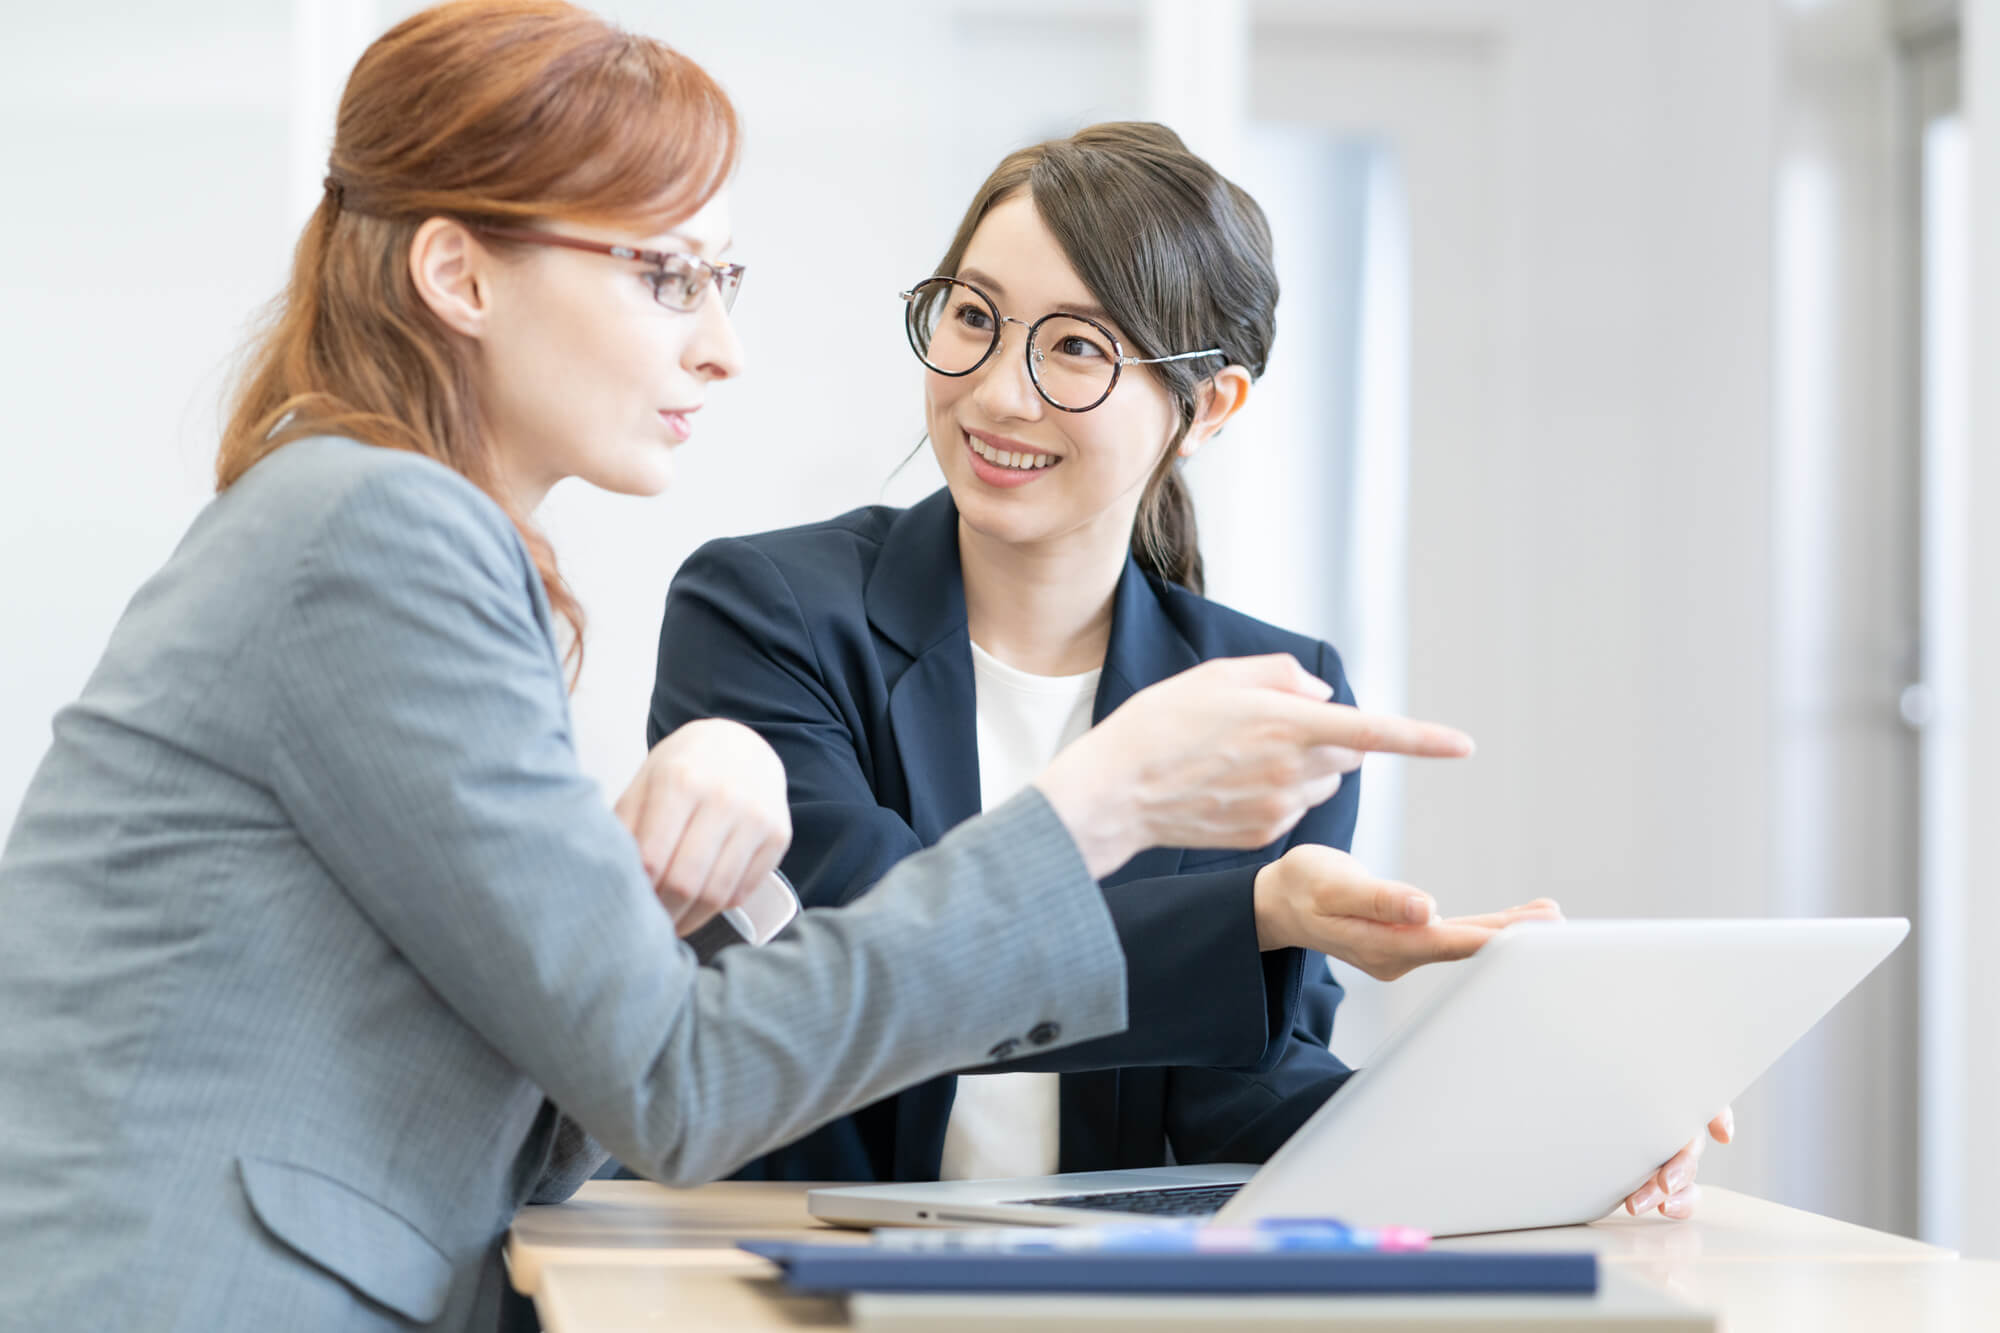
(677, 285)
(973, 316)
(1079, 347)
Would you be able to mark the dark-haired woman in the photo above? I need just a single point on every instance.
(1104, 309)
(312, 920)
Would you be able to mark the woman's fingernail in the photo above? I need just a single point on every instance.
(1418, 910)
(1677, 1179)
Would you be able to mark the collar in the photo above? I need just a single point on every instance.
(916, 598)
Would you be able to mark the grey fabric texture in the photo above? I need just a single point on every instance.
(312, 919)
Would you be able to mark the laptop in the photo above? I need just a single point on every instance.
(1551, 1075)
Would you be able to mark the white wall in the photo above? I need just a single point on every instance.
(145, 222)
(1845, 589)
(1982, 889)
(1661, 559)
(1589, 569)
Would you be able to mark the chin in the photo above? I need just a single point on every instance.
(645, 477)
(1000, 518)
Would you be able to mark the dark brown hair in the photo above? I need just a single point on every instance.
(1177, 255)
(482, 110)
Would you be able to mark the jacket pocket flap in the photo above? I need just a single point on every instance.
(350, 1235)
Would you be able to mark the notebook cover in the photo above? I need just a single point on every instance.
(1622, 1303)
(827, 1268)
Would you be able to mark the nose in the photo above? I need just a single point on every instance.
(1004, 388)
(714, 353)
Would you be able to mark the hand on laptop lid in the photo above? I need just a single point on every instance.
(1671, 1189)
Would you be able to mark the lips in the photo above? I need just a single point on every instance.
(677, 422)
(1003, 452)
(1005, 463)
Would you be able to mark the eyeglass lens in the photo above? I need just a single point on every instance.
(681, 284)
(953, 327)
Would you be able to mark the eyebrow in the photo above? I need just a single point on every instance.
(992, 286)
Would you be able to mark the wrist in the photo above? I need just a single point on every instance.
(1100, 821)
(1268, 905)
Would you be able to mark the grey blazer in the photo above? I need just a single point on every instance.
(309, 920)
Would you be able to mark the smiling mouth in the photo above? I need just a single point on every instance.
(1017, 461)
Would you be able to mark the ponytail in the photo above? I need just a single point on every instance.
(1164, 540)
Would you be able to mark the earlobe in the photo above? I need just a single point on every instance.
(447, 268)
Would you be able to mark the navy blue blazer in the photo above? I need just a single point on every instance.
(844, 644)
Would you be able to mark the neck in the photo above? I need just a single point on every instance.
(1043, 609)
(522, 489)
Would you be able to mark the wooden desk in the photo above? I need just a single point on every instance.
(625, 1256)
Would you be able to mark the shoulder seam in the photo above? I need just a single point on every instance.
(308, 556)
(792, 599)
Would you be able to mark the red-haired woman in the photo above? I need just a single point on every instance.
(312, 920)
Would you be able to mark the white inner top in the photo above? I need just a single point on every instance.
(1010, 1124)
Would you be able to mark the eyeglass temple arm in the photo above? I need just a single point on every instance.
(1156, 360)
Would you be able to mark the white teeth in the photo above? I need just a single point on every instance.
(1023, 462)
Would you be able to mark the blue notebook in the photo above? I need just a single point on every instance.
(830, 1268)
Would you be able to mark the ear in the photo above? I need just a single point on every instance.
(1221, 398)
(451, 270)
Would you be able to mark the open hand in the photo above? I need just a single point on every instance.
(1316, 897)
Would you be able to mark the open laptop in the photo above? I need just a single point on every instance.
(1555, 1071)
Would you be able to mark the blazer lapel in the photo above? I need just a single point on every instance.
(916, 600)
(1145, 649)
(1111, 1118)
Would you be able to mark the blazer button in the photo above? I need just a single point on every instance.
(1041, 1034)
(1004, 1049)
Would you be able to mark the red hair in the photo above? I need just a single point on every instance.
(483, 110)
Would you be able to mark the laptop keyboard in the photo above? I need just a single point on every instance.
(1181, 1201)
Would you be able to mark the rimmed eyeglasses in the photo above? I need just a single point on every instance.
(1073, 360)
(679, 281)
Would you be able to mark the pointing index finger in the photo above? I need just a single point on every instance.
(1341, 725)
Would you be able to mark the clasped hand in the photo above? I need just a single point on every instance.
(709, 812)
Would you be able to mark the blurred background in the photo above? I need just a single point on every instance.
(1634, 409)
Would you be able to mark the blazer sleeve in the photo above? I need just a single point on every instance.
(734, 643)
(573, 1157)
(420, 746)
(1224, 1115)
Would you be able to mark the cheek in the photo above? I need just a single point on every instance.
(1121, 450)
(587, 354)
(941, 394)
